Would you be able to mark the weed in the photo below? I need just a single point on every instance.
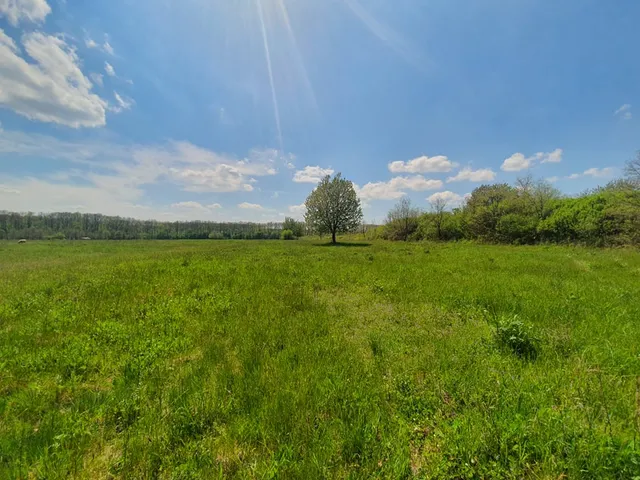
(515, 335)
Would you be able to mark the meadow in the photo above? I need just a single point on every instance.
(273, 359)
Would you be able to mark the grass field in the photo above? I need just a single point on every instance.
(277, 359)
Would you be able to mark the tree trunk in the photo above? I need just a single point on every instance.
(333, 237)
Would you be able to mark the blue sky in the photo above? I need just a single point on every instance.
(233, 109)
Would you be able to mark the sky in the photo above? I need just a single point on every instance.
(232, 110)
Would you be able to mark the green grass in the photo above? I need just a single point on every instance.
(294, 360)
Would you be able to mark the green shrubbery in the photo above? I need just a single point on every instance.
(533, 212)
(287, 235)
(513, 334)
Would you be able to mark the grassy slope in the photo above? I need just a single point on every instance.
(295, 360)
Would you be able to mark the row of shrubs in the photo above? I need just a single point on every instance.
(529, 213)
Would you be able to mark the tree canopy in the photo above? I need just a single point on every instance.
(333, 207)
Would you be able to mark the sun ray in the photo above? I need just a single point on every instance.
(387, 35)
(296, 51)
(267, 53)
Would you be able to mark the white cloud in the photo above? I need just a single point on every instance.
(378, 191)
(605, 172)
(450, 198)
(219, 178)
(518, 162)
(467, 174)
(417, 183)
(624, 112)
(91, 43)
(123, 103)
(109, 69)
(250, 206)
(396, 187)
(552, 157)
(125, 169)
(599, 172)
(53, 89)
(16, 11)
(311, 174)
(552, 179)
(106, 46)
(423, 165)
(97, 78)
(190, 206)
(298, 209)
(5, 190)
(117, 176)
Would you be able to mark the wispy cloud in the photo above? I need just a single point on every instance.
(123, 103)
(470, 175)
(112, 178)
(624, 112)
(106, 46)
(423, 164)
(52, 87)
(311, 174)
(250, 206)
(17, 11)
(605, 172)
(109, 69)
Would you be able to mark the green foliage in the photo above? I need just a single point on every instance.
(517, 228)
(533, 212)
(216, 236)
(446, 226)
(287, 235)
(297, 228)
(75, 226)
(513, 334)
(180, 359)
(402, 221)
(333, 207)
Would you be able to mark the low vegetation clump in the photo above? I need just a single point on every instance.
(290, 360)
(513, 334)
(287, 235)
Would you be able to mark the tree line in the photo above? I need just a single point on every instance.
(76, 226)
(531, 211)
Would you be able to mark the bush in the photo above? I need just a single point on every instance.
(516, 228)
(287, 235)
(513, 334)
(216, 236)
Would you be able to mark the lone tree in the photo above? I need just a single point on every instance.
(333, 207)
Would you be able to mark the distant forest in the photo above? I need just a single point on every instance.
(75, 226)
